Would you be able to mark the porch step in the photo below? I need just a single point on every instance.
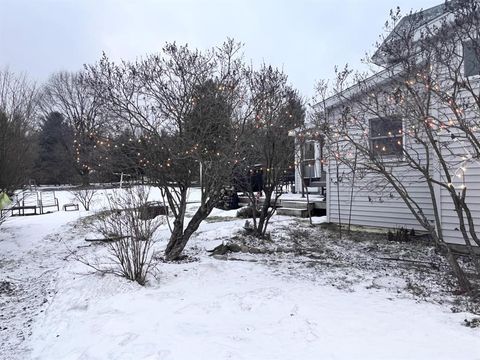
(303, 213)
(293, 204)
(245, 201)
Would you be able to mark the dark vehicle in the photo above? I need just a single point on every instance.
(253, 179)
(250, 180)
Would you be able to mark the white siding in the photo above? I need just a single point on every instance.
(456, 150)
(471, 180)
(374, 203)
(381, 207)
(450, 223)
(377, 208)
(372, 208)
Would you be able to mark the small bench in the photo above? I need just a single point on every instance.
(70, 207)
(21, 210)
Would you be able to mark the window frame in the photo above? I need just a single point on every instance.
(397, 156)
(308, 143)
(477, 56)
(309, 162)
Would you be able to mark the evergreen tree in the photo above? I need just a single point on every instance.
(55, 143)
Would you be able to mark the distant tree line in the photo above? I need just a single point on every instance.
(56, 134)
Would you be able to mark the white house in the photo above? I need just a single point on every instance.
(361, 198)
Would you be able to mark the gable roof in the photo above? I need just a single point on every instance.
(424, 16)
(410, 24)
(374, 80)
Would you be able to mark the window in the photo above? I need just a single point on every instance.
(309, 160)
(309, 151)
(386, 136)
(309, 169)
(471, 58)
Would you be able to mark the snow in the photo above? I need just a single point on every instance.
(317, 220)
(238, 307)
(298, 197)
(390, 282)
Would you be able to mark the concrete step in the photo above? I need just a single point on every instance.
(303, 213)
(295, 204)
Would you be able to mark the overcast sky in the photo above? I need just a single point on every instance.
(305, 37)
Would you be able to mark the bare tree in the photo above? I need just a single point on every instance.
(187, 107)
(452, 87)
(277, 110)
(391, 175)
(412, 123)
(85, 196)
(68, 94)
(18, 107)
(18, 96)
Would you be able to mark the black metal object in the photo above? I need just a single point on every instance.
(70, 207)
(253, 179)
(152, 209)
(21, 210)
(229, 201)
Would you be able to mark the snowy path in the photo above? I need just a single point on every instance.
(30, 257)
(208, 309)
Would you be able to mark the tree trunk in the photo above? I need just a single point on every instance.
(176, 237)
(85, 176)
(260, 231)
(463, 281)
(179, 238)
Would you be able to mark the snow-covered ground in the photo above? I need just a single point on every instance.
(239, 306)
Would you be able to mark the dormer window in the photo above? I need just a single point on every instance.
(471, 58)
(386, 136)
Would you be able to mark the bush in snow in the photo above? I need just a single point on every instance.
(129, 238)
(400, 234)
(85, 196)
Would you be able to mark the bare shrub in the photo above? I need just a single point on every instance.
(400, 235)
(278, 108)
(85, 196)
(129, 238)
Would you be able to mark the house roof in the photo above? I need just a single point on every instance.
(423, 17)
(374, 80)
(411, 24)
